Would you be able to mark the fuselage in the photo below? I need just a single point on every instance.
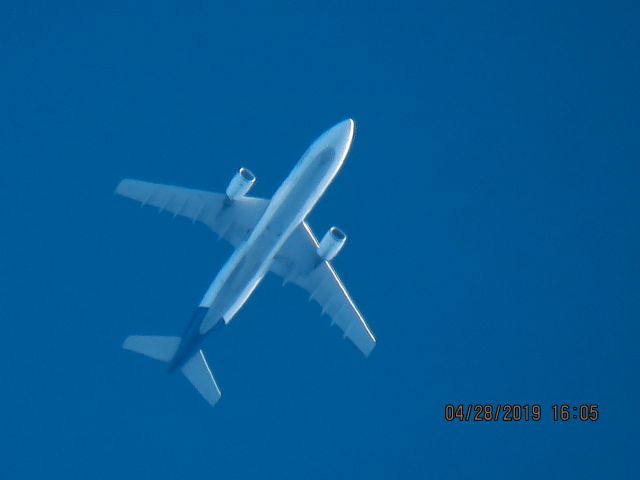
(250, 262)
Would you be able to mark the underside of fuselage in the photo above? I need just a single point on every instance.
(246, 268)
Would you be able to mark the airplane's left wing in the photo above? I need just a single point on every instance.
(232, 221)
(297, 262)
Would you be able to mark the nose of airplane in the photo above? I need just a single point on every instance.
(341, 134)
(338, 138)
(346, 127)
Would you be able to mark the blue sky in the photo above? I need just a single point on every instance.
(491, 204)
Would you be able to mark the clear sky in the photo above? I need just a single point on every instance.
(491, 204)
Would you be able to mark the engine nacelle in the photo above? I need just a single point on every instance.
(240, 184)
(331, 244)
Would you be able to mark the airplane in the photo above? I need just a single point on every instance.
(268, 235)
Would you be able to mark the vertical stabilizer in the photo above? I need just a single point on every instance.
(158, 348)
(198, 373)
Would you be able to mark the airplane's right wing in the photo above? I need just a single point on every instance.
(297, 262)
(232, 221)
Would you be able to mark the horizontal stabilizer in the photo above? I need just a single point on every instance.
(158, 348)
(198, 373)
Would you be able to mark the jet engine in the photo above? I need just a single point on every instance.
(331, 244)
(240, 184)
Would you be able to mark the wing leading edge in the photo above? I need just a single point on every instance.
(297, 262)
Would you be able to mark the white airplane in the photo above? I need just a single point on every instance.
(269, 235)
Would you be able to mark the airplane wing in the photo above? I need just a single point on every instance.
(232, 221)
(297, 262)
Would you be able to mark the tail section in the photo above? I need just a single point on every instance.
(164, 349)
(198, 373)
(158, 348)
